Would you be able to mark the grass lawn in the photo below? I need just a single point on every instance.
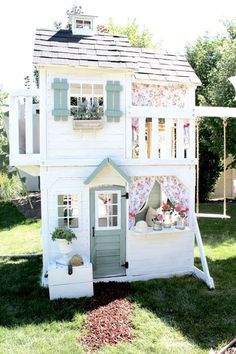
(178, 315)
(18, 235)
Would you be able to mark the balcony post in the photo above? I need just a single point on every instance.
(29, 125)
(14, 126)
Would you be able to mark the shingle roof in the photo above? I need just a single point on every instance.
(110, 51)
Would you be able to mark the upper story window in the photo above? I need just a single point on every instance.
(83, 24)
(86, 101)
(68, 210)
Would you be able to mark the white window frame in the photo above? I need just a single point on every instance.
(87, 82)
(78, 204)
(107, 228)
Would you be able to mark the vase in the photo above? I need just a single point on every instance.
(64, 247)
(180, 223)
(157, 225)
(167, 220)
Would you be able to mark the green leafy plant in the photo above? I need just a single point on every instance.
(63, 233)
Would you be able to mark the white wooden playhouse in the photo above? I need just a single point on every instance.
(113, 134)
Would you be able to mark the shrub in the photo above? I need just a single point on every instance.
(10, 188)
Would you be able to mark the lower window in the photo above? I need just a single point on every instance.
(67, 210)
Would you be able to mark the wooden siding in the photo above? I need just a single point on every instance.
(160, 252)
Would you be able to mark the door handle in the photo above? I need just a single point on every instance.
(93, 231)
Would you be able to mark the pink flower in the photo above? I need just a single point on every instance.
(178, 208)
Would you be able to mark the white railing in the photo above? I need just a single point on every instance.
(165, 134)
(24, 125)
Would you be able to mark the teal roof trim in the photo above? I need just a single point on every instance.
(100, 168)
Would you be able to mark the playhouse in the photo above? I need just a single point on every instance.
(111, 133)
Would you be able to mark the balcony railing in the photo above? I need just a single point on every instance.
(162, 134)
(24, 127)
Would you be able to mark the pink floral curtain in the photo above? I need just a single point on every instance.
(175, 190)
(139, 191)
(141, 187)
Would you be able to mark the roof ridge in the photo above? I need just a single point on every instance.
(96, 34)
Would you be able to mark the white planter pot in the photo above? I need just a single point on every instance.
(63, 246)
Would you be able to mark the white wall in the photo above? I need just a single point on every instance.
(64, 142)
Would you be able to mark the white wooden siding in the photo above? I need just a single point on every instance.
(167, 252)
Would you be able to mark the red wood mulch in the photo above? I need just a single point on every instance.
(109, 318)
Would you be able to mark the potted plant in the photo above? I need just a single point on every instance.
(63, 237)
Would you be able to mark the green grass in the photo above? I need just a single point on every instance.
(18, 235)
(176, 316)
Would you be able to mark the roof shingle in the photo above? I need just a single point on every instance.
(110, 51)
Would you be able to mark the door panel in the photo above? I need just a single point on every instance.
(108, 240)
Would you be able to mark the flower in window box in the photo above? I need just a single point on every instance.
(87, 111)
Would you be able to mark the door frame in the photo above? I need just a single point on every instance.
(123, 217)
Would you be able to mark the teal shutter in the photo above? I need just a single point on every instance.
(113, 111)
(60, 111)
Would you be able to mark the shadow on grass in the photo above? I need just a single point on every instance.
(205, 317)
(216, 231)
(10, 216)
(24, 301)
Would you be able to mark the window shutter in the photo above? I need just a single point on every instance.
(60, 111)
(113, 111)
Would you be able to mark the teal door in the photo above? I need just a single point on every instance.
(108, 231)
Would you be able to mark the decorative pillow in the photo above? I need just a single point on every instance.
(151, 213)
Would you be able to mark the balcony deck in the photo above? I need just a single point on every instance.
(152, 136)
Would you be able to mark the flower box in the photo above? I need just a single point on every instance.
(88, 123)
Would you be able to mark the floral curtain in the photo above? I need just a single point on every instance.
(139, 191)
(174, 189)
(158, 96)
(141, 187)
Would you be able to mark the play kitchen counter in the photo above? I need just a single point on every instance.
(163, 253)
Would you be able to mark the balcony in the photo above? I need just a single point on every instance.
(161, 134)
(24, 127)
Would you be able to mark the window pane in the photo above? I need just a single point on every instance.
(102, 222)
(98, 90)
(62, 211)
(73, 101)
(114, 210)
(113, 221)
(60, 199)
(87, 24)
(74, 111)
(86, 89)
(79, 24)
(75, 89)
(73, 222)
(114, 198)
(62, 222)
(75, 212)
(100, 101)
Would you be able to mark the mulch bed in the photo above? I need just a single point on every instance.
(24, 207)
(109, 318)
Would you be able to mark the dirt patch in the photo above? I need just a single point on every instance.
(24, 207)
(109, 318)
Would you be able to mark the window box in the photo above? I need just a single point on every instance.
(87, 123)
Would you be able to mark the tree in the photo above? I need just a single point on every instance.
(140, 38)
(10, 183)
(214, 61)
